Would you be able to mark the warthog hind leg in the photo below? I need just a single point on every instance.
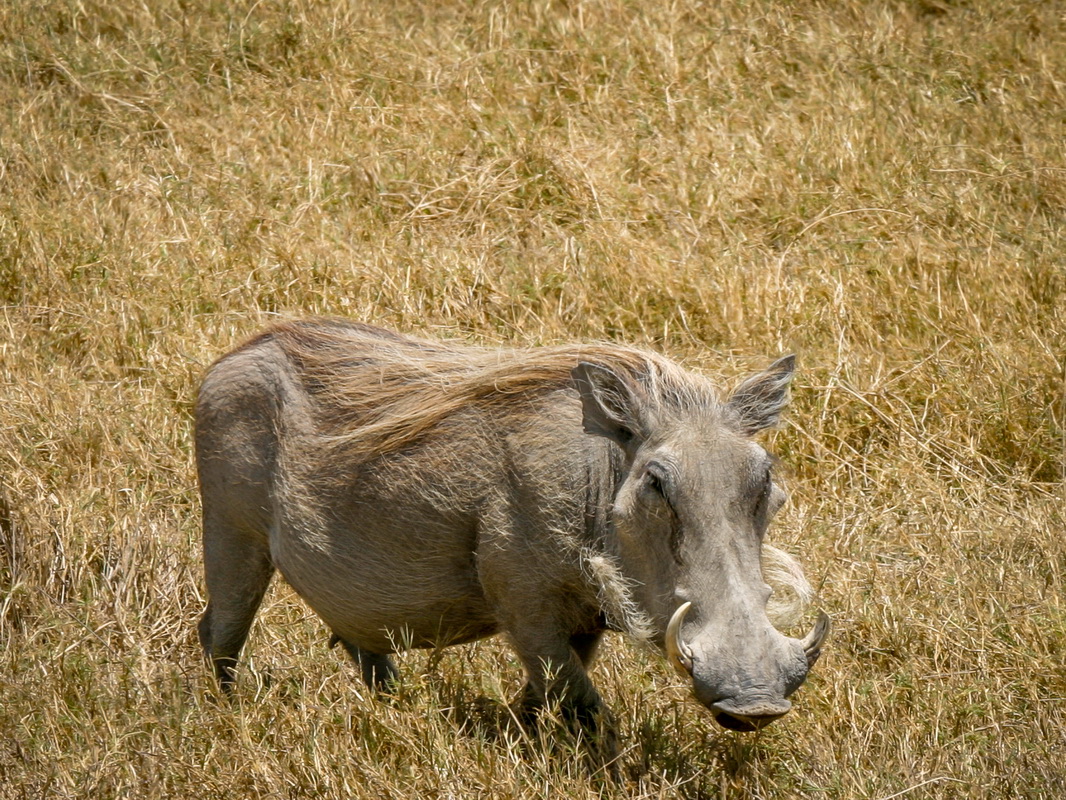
(238, 572)
(379, 673)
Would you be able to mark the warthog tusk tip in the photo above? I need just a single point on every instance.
(677, 652)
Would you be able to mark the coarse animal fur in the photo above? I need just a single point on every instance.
(424, 494)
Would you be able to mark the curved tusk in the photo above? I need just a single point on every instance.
(677, 652)
(812, 644)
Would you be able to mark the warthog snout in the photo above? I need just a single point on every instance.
(748, 718)
(747, 694)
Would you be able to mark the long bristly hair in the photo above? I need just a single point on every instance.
(377, 392)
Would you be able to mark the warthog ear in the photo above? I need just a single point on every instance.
(611, 405)
(758, 402)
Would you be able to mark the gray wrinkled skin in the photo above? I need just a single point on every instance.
(423, 494)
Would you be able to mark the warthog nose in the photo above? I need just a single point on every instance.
(735, 716)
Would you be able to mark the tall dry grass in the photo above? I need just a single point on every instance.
(877, 186)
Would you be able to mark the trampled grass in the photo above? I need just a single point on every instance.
(879, 187)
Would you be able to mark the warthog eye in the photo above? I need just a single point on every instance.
(768, 500)
(656, 483)
(767, 488)
(658, 479)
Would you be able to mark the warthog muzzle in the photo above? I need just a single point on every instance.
(747, 705)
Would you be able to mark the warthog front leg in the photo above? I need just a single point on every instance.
(564, 680)
(556, 677)
(550, 618)
(560, 681)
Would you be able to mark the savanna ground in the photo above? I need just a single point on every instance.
(879, 187)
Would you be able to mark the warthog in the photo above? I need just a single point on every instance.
(426, 494)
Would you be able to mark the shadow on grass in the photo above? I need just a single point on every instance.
(654, 749)
(544, 736)
(654, 752)
(701, 766)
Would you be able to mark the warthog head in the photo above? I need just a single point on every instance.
(689, 517)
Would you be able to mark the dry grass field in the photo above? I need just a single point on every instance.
(877, 186)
